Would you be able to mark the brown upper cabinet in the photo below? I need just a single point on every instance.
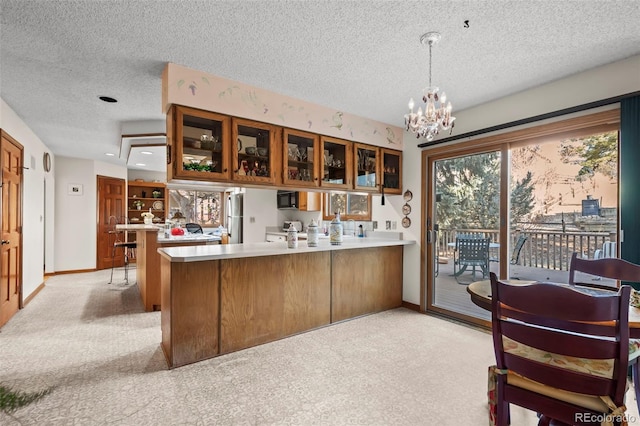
(198, 144)
(391, 161)
(208, 146)
(367, 166)
(337, 169)
(254, 150)
(300, 158)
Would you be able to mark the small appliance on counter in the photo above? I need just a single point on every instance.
(296, 224)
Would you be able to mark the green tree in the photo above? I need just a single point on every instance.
(469, 189)
(596, 154)
(522, 198)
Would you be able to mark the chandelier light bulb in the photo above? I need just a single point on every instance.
(436, 115)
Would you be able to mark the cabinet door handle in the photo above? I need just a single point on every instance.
(5, 242)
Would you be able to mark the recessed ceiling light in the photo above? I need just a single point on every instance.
(107, 99)
(140, 164)
(146, 152)
(109, 154)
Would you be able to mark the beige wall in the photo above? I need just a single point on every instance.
(599, 83)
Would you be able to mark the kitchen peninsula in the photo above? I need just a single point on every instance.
(148, 241)
(221, 299)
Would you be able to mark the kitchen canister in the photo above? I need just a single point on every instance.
(292, 237)
(312, 234)
(335, 231)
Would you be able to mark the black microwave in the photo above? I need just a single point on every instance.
(287, 200)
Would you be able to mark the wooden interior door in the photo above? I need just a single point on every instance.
(111, 210)
(11, 222)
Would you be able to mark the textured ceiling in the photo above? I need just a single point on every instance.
(362, 57)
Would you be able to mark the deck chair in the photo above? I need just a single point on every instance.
(559, 352)
(617, 269)
(517, 248)
(471, 252)
(608, 250)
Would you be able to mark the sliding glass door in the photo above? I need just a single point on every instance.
(519, 209)
(466, 228)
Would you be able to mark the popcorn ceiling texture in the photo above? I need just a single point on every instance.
(358, 57)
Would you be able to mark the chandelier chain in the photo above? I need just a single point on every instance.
(430, 45)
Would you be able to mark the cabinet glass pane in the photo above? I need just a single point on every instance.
(367, 168)
(391, 170)
(253, 152)
(300, 157)
(335, 156)
(201, 144)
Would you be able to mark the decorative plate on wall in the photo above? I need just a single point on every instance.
(406, 222)
(408, 195)
(406, 209)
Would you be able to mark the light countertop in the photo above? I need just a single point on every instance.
(139, 226)
(187, 238)
(233, 251)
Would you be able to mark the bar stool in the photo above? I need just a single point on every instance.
(127, 248)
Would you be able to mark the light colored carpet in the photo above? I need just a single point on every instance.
(100, 351)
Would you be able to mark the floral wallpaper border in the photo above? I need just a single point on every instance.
(188, 87)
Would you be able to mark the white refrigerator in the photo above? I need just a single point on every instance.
(234, 218)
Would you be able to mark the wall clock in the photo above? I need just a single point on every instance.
(408, 195)
(406, 209)
(46, 162)
(406, 222)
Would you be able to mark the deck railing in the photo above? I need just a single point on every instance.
(543, 249)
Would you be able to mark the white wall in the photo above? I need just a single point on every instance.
(34, 213)
(76, 215)
(260, 211)
(599, 83)
(148, 176)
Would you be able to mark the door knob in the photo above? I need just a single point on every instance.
(5, 242)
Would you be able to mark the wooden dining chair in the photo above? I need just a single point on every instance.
(620, 270)
(610, 267)
(559, 352)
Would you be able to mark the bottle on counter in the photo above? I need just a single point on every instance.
(360, 231)
(312, 234)
(292, 237)
(335, 230)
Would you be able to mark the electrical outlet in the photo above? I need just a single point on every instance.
(387, 225)
(252, 219)
(394, 224)
(375, 224)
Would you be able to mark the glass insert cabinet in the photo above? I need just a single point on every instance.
(207, 146)
(300, 153)
(253, 144)
(336, 163)
(367, 168)
(200, 149)
(391, 171)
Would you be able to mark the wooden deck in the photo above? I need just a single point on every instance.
(452, 295)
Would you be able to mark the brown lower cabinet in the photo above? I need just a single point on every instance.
(215, 307)
(148, 265)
